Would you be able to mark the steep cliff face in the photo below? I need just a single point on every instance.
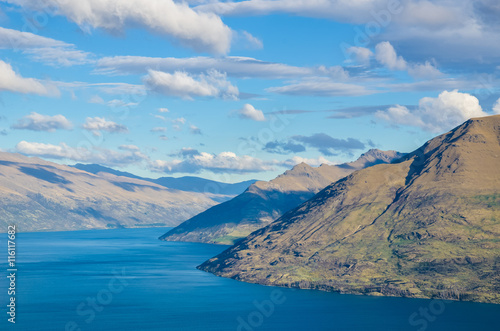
(264, 202)
(427, 226)
(37, 195)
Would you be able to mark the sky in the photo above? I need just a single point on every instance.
(237, 90)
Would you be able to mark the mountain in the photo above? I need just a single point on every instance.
(186, 183)
(38, 195)
(263, 202)
(427, 226)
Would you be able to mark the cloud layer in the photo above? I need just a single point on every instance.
(225, 162)
(96, 155)
(176, 20)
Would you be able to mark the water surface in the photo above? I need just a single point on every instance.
(128, 280)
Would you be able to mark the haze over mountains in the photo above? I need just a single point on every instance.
(38, 195)
(263, 202)
(427, 226)
(186, 183)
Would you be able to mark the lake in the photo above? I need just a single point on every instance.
(126, 279)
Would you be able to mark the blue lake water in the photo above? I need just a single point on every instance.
(126, 279)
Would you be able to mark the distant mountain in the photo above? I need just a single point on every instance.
(427, 226)
(38, 195)
(263, 202)
(187, 183)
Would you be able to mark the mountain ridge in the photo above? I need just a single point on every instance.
(425, 226)
(265, 201)
(39, 195)
(185, 183)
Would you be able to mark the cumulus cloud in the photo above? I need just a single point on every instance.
(249, 112)
(328, 145)
(42, 49)
(163, 110)
(39, 122)
(439, 114)
(225, 162)
(98, 124)
(183, 85)
(81, 154)
(176, 20)
(13, 82)
(496, 107)
(362, 55)
(386, 55)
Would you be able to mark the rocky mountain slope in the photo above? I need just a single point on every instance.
(263, 202)
(428, 226)
(38, 195)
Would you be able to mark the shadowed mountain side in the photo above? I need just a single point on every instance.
(37, 195)
(263, 202)
(220, 191)
(427, 226)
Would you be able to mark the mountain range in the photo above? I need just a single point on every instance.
(224, 191)
(264, 202)
(426, 226)
(38, 195)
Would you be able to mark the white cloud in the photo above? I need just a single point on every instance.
(249, 112)
(439, 114)
(98, 124)
(426, 70)
(158, 129)
(496, 107)
(112, 103)
(176, 20)
(121, 103)
(96, 99)
(42, 49)
(80, 154)
(131, 148)
(252, 41)
(225, 162)
(322, 87)
(386, 55)
(13, 82)
(361, 54)
(446, 30)
(38, 122)
(181, 84)
(163, 110)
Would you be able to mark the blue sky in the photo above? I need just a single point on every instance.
(233, 90)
